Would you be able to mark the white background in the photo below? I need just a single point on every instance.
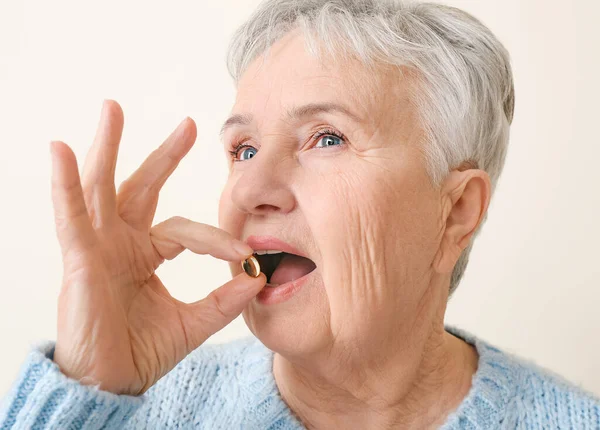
(532, 286)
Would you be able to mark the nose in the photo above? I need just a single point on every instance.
(264, 186)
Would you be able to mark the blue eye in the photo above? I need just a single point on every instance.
(329, 140)
(247, 153)
(243, 153)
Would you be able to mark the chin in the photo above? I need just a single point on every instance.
(296, 326)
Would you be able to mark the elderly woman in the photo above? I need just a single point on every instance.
(364, 145)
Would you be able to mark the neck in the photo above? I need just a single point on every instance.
(408, 387)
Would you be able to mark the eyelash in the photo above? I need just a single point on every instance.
(316, 137)
(237, 148)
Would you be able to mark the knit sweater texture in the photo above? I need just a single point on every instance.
(231, 386)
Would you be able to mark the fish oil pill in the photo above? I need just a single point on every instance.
(251, 266)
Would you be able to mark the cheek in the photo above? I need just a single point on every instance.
(346, 216)
(372, 224)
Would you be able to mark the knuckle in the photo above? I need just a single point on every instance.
(216, 303)
(60, 188)
(177, 218)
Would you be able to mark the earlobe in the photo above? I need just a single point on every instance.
(466, 197)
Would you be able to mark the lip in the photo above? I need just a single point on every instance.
(282, 293)
(260, 243)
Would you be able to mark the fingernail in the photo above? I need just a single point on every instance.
(53, 144)
(181, 128)
(243, 249)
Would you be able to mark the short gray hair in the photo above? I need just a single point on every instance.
(465, 96)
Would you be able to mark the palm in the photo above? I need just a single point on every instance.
(118, 326)
(130, 306)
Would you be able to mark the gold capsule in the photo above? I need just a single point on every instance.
(251, 266)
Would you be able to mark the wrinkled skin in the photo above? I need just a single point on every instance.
(384, 239)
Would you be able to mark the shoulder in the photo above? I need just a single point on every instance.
(217, 386)
(213, 369)
(242, 352)
(551, 399)
(512, 392)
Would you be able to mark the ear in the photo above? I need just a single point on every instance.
(465, 198)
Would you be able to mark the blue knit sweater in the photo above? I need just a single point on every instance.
(231, 386)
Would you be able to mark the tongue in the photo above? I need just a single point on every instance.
(291, 267)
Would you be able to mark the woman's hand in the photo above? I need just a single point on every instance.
(118, 326)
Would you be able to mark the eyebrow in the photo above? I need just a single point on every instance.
(296, 113)
(236, 120)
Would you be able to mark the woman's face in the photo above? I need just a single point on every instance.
(331, 164)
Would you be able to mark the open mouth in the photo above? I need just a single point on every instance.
(281, 267)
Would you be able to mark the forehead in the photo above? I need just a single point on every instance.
(291, 76)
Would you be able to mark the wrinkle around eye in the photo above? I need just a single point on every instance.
(235, 141)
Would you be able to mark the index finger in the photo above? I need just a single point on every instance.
(176, 234)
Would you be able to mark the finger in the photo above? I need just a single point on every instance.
(204, 318)
(73, 226)
(98, 176)
(172, 236)
(138, 195)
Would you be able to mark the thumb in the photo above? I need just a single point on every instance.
(205, 317)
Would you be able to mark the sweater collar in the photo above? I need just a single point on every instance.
(484, 406)
(492, 387)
